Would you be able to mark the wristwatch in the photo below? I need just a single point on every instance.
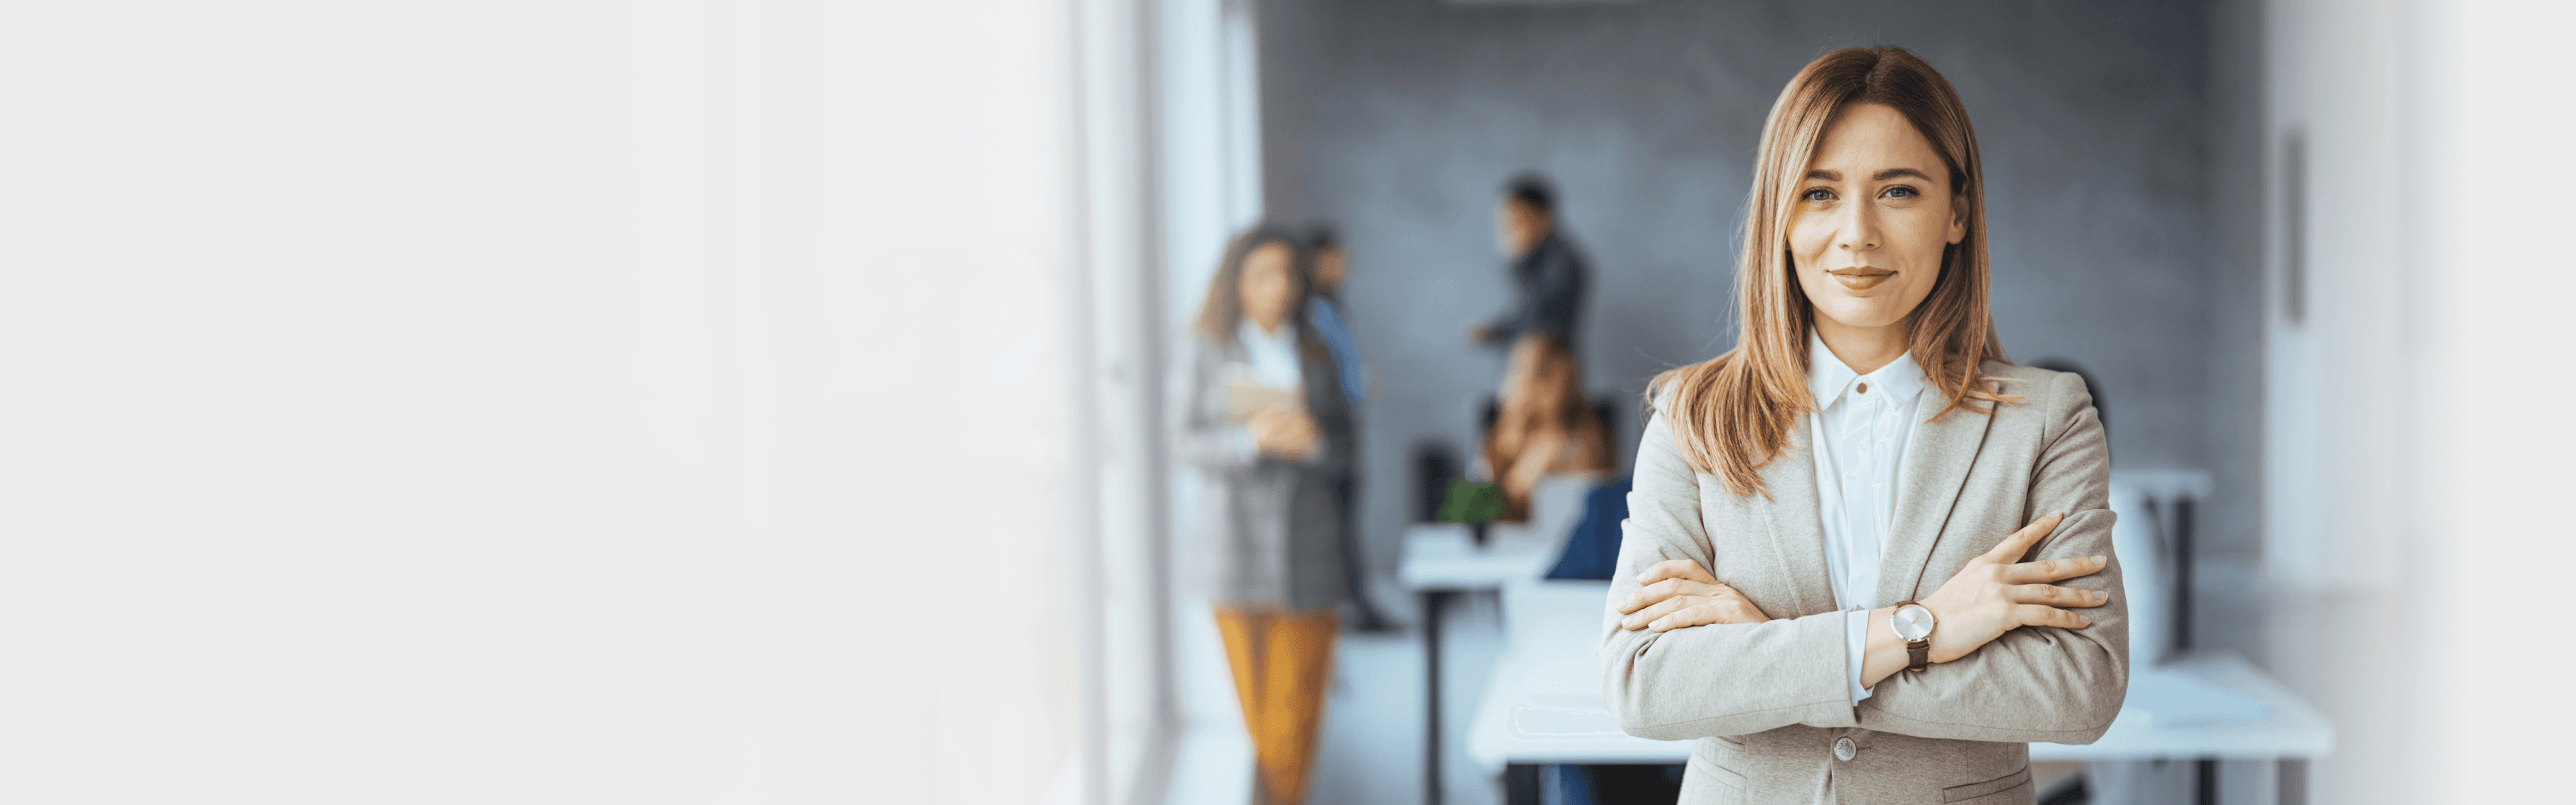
(1913, 624)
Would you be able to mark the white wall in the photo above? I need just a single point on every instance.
(2414, 511)
(537, 402)
(1206, 158)
(2494, 120)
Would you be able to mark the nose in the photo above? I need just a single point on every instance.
(1859, 230)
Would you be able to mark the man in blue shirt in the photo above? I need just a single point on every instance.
(1332, 266)
(1329, 267)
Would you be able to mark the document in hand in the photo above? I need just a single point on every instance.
(1243, 398)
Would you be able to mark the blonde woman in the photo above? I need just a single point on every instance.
(1267, 424)
(1867, 558)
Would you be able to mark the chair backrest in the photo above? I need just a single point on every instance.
(1435, 466)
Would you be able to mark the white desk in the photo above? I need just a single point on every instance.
(2211, 706)
(1444, 557)
(1441, 560)
(1544, 705)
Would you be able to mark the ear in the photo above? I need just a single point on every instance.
(1958, 218)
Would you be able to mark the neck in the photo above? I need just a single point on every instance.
(1864, 349)
(1536, 239)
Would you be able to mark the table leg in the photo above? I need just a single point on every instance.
(1522, 783)
(2292, 782)
(1431, 603)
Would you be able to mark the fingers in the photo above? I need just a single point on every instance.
(2019, 542)
(1676, 569)
(1661, 608)
(2036, 615)
(1658, 591)
(2054, 569)
(2055, 596)
(1727, 611)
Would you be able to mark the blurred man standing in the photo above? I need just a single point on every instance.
(1549, 275)
(1323, 311)
(1330, 266)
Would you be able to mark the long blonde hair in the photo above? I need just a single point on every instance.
(1732, 414)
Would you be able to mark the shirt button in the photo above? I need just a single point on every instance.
(1844, 750)
(1864, 388)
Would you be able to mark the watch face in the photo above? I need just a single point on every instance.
(1912, 623)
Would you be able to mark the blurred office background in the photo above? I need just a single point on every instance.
(685, 401)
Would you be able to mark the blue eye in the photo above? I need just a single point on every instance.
(1902, 192)
(1818, 194)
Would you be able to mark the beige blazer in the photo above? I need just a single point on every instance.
(1766, 702)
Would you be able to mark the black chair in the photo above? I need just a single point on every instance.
(1435, 467)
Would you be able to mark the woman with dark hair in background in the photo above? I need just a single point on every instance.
(1544, 426)
(1867, 558)
(1267, 423)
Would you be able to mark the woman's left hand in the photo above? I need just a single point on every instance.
(1680, 593)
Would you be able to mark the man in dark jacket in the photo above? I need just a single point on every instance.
(1550, 276)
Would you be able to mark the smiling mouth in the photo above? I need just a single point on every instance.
(1862, 278)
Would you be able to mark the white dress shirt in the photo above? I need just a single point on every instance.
(1270, 358)
(1859, 433)
(1272, 354)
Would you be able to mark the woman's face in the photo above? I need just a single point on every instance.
(1873, 215)
(1332, 265)
(1269, 284)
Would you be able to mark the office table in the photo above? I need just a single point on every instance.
(1441, 560)
(1544, 704)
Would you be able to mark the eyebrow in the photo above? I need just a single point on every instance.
(1891, 173)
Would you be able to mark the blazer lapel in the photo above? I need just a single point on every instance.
(1795, 523)
(1927, 488)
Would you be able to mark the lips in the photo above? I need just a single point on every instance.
(1861, 278)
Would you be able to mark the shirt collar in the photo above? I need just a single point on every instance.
(1828, 379)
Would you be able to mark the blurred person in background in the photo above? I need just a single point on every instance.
(1544, 426)
(1267, 423)
(1547, 274)
(1867, 558)
(1330, 265)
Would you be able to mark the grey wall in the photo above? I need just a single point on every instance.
(1397, 120)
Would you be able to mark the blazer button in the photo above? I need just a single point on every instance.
(1844, 750)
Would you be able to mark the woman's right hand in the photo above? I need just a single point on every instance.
(1994, 594)
(1283, 433)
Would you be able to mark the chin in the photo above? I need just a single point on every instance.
(1859, 313)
